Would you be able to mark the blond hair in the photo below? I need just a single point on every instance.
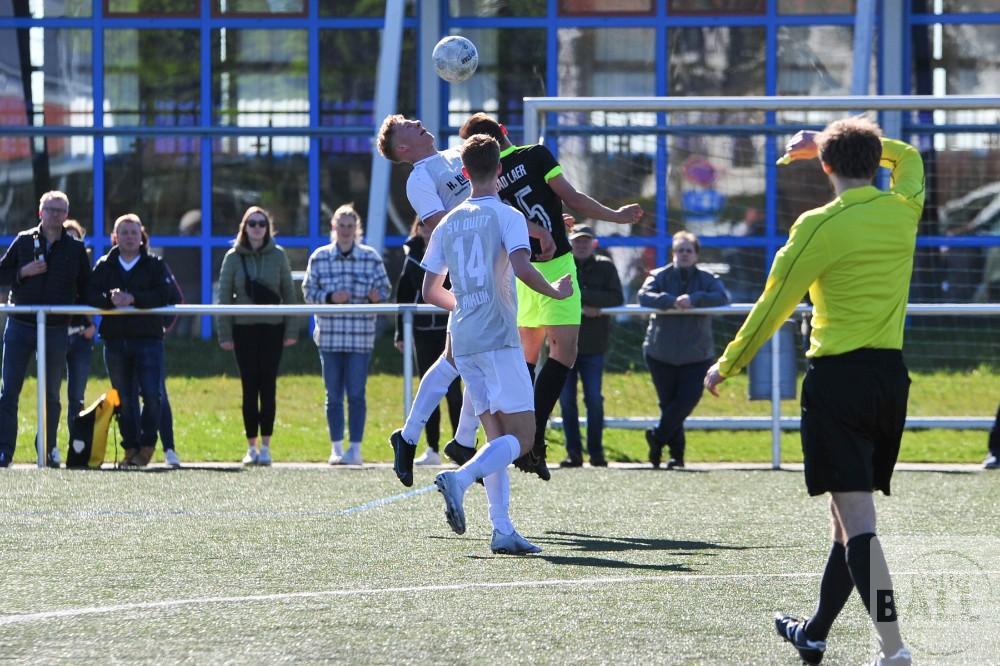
(384, 137)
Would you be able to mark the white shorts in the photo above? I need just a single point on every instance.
(497, 381)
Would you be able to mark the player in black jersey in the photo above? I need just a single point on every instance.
(532, 181)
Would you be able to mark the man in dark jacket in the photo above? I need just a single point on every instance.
(600, 287)
(45, 266)
(128, 276)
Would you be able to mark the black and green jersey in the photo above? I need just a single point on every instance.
(524, 184)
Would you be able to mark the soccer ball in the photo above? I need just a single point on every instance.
(455, 59)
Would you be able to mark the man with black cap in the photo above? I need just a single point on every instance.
(600, 287)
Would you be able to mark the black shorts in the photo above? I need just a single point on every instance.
(853, 415)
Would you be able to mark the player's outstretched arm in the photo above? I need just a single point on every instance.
(588, 207)
(520, 261)
(434, 292)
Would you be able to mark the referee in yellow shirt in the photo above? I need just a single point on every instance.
(854, 256)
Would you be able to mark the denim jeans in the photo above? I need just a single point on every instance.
(345, 372)
(19, 344)
(590, 369)
(78, 353)
(166, 414)
(134, 367)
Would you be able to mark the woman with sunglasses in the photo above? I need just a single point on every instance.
(678, 349)
(256, 272)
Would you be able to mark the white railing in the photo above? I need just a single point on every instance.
(775, 422)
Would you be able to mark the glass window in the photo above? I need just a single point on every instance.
(58, 70)
(29, 166)
(953, 6)
(150, 77)
(591, 7)
(717, 6)
(511, 66)
(345, 177)
(46, 8)
(260, 171)
(817, 61)
(954, 60)
(152, 7)
(497, 8)
(359, 8)
(158, 178)
(261, 7)
(716, 61)
(348, 61)
(185, 264)
(260, 77)
(716, 184)
(815, 6)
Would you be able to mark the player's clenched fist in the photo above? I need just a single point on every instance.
(629, 214)
(564, 287)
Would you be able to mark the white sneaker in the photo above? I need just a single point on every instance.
(264, 456)
(170, 458)
(335, 458)
(54, 458)
(991, 462)
(901, 658)
(250, 458)
(352, 456)
(430, 457)
(512, 544)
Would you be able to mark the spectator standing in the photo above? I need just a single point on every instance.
(45, 266)
(600, 287)
(430, 333)
(256, 272)
(129, 276)
(993, 455)
(345, 272)
(79, 347)
(166, 428)
(678, 350)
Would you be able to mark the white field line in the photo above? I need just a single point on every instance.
(456, 587)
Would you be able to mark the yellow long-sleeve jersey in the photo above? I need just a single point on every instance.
(855, 257)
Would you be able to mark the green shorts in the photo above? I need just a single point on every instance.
(535, 310)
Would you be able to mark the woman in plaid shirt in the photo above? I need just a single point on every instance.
(345, 271)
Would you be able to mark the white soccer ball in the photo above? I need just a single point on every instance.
(455, 59)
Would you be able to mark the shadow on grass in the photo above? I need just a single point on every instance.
(598, 544)
(160, 470)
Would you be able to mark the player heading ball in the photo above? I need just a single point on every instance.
(482, 244)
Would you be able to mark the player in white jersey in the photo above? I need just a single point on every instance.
(483, 244)
(435, 186)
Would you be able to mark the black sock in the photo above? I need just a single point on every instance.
(531, 372)
(871, 577)
(548, 386)
(834, 590)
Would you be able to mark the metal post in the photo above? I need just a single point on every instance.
(864, 35)
(776, 400)
(407, 361)
(42, 414)
(387, 77)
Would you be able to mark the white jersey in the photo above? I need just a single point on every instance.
(473, 243)
(436, 184)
